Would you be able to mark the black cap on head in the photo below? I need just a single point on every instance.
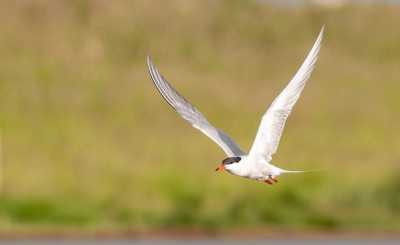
(231, 160)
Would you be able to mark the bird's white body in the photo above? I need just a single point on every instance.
(257, 169)
(254, 165)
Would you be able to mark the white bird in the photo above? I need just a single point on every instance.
(256, 164)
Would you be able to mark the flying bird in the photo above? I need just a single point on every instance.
(255, 165)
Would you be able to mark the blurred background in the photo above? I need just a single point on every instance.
(89, 145)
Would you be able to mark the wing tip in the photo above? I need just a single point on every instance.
(149, 62)
(321, 34)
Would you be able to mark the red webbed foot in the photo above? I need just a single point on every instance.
(268, 182)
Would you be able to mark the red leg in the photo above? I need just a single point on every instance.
(268, 182)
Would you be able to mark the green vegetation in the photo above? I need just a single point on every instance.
(88, 142)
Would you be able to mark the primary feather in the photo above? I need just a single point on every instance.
(191, 114)
(273, 121)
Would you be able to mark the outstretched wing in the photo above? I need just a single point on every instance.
(191, 114)
(273, 121)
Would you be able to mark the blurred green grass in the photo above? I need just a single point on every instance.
(89, 143)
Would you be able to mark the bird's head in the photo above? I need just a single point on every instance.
(228, 161)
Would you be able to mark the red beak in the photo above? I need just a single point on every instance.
(220, 168)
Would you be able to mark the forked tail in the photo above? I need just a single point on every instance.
(295, 172)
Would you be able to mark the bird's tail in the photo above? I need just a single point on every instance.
(282, 171)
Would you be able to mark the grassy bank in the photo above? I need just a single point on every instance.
(89, 143)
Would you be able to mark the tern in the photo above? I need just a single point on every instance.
(255, 165)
